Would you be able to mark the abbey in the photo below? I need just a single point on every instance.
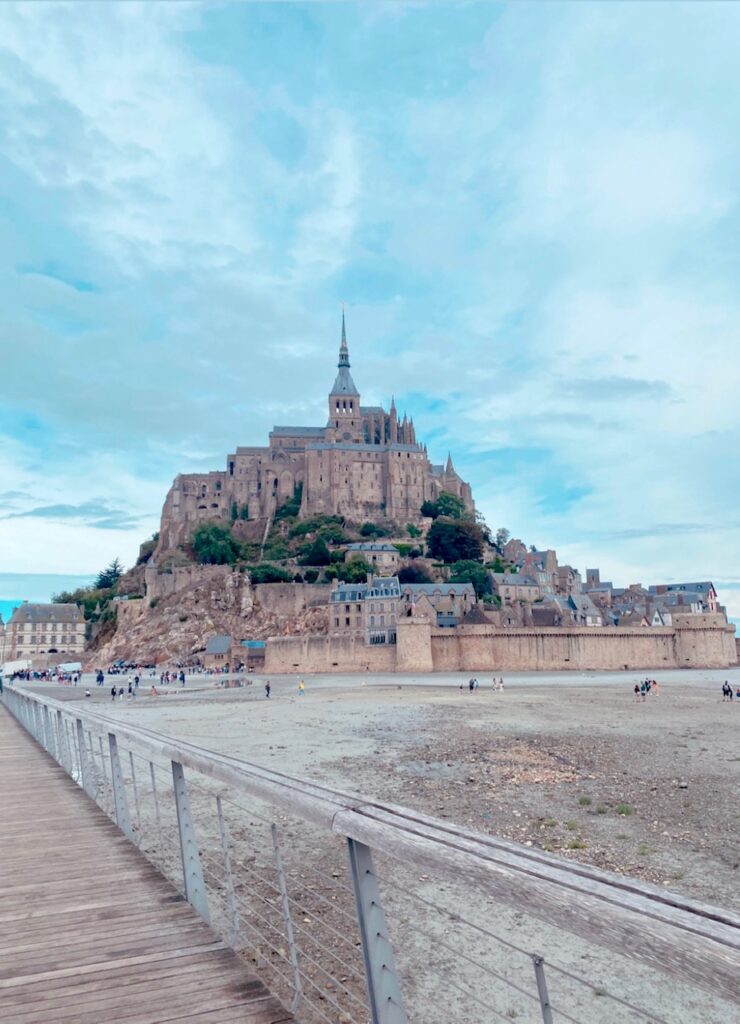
(364, 464)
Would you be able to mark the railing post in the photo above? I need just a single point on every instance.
(61, 744)
(136, 793)
(383, 989)
(123, 819)
(50, 745)
(85, 764)
(230, 891)
(156, 807)
(297, 987)
(539, 973)
(192, 871)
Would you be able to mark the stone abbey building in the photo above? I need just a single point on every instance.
(364, 464)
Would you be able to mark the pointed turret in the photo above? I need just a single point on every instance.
(344, 385)
(412, 432)
(394, 422)
(449, 468)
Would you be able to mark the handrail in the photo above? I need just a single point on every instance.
(677, 936)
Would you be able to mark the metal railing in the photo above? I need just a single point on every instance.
(309, 883)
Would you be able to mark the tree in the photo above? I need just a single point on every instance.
(468, 571)
(213, 544)
(451, 540)
(446, 505)
(108, 578)
(414, 574)
(316, 553)
(502, 536)
(355, 571)
(266, 573)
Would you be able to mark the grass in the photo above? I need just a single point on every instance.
(625, 809)
(576, 844)
(549, 821)
(678, 875)
(643, 849)
(602, 809)
(622, 835)
(584, 801)
(600, 992)
(571, 825)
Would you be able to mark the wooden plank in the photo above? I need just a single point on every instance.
(78, 946)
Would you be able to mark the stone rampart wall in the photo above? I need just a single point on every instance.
(327, 654)
(422, 648)
(289, 600)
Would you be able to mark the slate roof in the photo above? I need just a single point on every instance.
(46, 613)
(218, 645)
(441, 588)
(298, 431)
(367, 546)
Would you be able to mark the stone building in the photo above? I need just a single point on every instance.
(367, 611)
(44, 629)
(378, 555)
(364, 464)
(444, 603)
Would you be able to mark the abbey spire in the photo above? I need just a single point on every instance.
(344, 385)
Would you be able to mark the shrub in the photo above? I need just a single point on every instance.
(290, 508)
(404, 550)
(575, 844)
(311, 575)
(213, 544)
(413, 574)
(373, 530)
(413, 531)
(314, 523)
(154, 602)
(266, 573)
(355, 571)
(331, 573)
(584, 801)
(276, 550)
(316, 553)
(625, 809)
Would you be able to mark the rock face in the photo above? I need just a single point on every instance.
(214, 599)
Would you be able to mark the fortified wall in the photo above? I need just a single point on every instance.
(694, 641)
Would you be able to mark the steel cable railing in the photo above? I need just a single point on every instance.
(320, 933)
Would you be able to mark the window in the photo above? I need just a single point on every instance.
(346, 621)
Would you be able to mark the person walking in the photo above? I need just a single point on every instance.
(637, 691)
(301, 689)
(113, 693)
(120, 694)
(267, 689)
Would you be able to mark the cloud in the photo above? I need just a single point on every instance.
(533, 220)
(606, 389)
(98, 514)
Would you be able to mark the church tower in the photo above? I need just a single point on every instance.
(345, 419)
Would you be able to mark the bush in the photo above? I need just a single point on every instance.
(468, 571)
(413, 574)
(373, 530)
(333, 533)
(154, 602)
(355, 571)
(313, 524)
(213, 544)
(331, 573)
(404, 550)
(290, 508)
(311, 575)
(276, 550)
(454, 540)
(316, 553)
(266, 573)
(413, 531)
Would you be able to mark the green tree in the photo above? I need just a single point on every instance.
(266, 573)
(446, 505)
(452, 540)
(316, 553)
(355, 571)
(108, 577)
(290, 508)
(502, 537)
(468, 571)
(414, 574)
(213, 544)
(413, 531)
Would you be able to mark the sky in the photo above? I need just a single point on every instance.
(530, 211)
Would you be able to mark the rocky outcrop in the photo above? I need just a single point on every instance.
(214, 599)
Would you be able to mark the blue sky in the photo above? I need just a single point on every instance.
(531, 212)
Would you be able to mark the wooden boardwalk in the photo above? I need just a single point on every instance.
(90, 931)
